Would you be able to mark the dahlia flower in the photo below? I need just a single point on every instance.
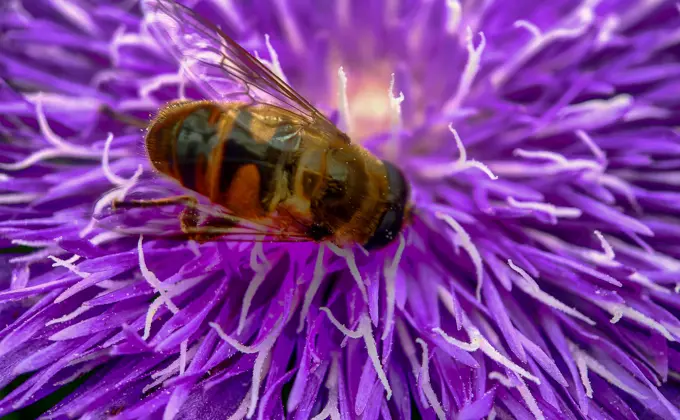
(538, 277)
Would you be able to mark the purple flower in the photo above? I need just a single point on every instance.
(539, 277)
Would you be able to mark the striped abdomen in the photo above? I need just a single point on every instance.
(224, 152)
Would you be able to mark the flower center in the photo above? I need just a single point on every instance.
(367, 91)
(369, 104)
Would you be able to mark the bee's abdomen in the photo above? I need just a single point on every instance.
(250, 162)
(226, 153)
(185, 143)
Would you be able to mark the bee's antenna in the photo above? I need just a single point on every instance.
(125, 119)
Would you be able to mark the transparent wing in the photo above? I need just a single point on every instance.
(221, 67)
(201, 222)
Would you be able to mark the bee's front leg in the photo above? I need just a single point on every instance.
(191, 224)
(187, 200)
(124, 118)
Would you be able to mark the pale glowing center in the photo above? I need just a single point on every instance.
(369, 107)
(368, 101)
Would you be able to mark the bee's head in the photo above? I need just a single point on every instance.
(397, 212)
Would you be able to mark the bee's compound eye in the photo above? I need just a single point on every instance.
(392, 219)
(388, 229)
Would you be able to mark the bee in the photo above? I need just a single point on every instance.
(273, 164)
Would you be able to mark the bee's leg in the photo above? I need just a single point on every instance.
(125, 119)
(187, 200)
(189, 222)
